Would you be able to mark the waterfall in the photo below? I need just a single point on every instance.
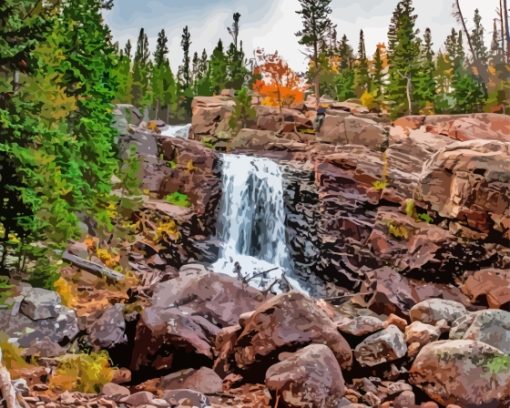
(181, 131)
(252, 221)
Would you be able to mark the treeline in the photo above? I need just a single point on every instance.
(406, 75)
(57, 154)
(147, 81)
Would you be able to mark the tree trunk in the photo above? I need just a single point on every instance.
(507, 30)
(408, 93)
(479, 67)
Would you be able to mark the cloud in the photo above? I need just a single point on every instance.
(272, 24)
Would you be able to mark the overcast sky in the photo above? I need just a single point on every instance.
(271, 24)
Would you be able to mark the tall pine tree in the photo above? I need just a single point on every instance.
(362, 77)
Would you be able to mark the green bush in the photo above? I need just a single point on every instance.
(180, 199)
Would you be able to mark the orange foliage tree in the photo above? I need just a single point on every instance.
(279, 85)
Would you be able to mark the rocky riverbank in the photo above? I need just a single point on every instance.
(402, 228)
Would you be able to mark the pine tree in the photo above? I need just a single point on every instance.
(478, 41)
(185, 69)
(236, 70)
(362, 77)
(345, 78)
(243, 111)
(141, 71)
(218, 69)
(403, 52)
(426, 82)
(124, 75)
(316, 25)
(378, 75)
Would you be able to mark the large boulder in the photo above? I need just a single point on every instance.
(109, 330)
(467, 373)
(285, 323)
(41, 304)
(489, 326)
(208, 113)
(311, 377)
(431, 311)
(178, 330)
(342, 128)
(203, 380)
(490, 286)
(382, 347)
(468, 182)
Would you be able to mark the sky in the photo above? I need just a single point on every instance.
(271, 24)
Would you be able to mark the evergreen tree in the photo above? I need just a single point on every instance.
(185, 69)
(124, 75)
(403, 52)
(378, 75)
(236, 69)
(426, 82)
(478, 41)
(316, 25)
(345, 78)
(141, 71)
(362, 77)
(161, 77)
(218, 69)
(243, 111)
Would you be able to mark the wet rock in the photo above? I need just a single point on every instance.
(310, 377)
(382, 347)
(360, 326)
(488, 326)
(433, 310)
(448, 370)
(489, 286)
(285, 323)
(203, 380)
(40, 304)
(109, 330)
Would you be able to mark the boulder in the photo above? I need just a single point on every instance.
(285, 323)
(418, 334)
(365, 132)
(208, 113)
(489, 286)
(360, 325)
(115, 391)
(109, 330)
(186, 398)
(35, 335)
(311, 377)
(203, 380)
(468, 182)
(431, 311)
(463, 372)
(382, 347)
(40, 304)
(168, 338)
(217, 297)
(251, 139)
(488, 326)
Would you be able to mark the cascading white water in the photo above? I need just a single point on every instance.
(181, 131)
(252, 221)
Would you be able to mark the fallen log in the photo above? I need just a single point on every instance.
(6, 388)
(92, 267)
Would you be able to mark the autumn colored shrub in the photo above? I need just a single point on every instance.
(66, 292)
(82, 372)
(279, 86)
(12, 355)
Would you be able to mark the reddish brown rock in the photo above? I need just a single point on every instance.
(285, 323)
(490, 287)
(462, 372)
(382, 347)
(208, 112)
(203, 380)
(311, 377)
